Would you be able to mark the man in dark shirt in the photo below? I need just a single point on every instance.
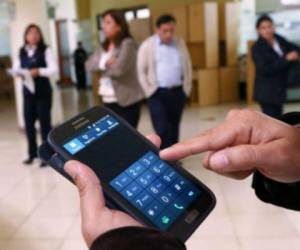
(238, 147)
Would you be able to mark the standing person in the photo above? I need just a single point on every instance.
(35, 64)
(116, 59)
(165, 73)
(80, 57)
(273, 56)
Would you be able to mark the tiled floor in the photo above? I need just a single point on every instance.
(39, 209)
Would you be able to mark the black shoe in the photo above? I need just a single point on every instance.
(43, 164)
(29, 161)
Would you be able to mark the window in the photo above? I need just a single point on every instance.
(143, 13)
(138, 12)
(129, 15)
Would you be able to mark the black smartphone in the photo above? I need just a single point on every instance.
(157, 193)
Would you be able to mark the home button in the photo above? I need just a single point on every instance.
(190, 218)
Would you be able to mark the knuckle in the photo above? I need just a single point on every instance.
(247, 114)
(233, 113)
(285, 152)
(250, 155)
(242, 113)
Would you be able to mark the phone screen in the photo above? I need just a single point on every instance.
(131, 168)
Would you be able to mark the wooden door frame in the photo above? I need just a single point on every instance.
(63, 79)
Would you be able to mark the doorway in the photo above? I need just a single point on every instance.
(64, 52)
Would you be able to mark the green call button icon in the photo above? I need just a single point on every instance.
(165, 220)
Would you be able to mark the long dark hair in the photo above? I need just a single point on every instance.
(41, 44)
(119, 17)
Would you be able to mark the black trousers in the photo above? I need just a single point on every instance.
(37, 108)
(166, 108)
(273, 110)
(131, 114)
(80, 77)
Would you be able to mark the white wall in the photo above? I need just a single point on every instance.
(4, 29)
(66, 10)
(5, 39)
(247, 24)
(288, 24)
(268, 5)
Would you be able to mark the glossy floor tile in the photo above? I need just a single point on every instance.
(39, 210)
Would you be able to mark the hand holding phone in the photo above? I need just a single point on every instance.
(96, 217)
(134, 179)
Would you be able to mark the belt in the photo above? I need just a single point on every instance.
(170, 88)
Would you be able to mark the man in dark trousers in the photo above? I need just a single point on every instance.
(165, 74)
(80, 57)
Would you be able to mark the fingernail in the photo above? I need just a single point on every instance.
(219, 161)
(161, 152)
(165, 150)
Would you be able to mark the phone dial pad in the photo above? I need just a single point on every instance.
(156, 189)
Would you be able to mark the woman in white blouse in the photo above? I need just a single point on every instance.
(116, 59)
(35, 65)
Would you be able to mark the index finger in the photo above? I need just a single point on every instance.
(214, 139)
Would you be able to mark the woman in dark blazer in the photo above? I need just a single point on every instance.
(273, 57)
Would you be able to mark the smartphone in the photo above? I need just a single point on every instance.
(157, 193)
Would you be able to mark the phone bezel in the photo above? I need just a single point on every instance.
(180, 228)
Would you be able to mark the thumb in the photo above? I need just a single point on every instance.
(237, 158)
(92, 200)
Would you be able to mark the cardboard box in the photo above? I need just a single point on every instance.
(208, 87)
(140, 29)
(229, 84)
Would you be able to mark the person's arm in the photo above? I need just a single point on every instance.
(102, 64)
(109, 229)
(128, 238)
(142, 65)
(265, 67)
(17, 70)
(51, 68)
(96, 217)
(85, 55)
(189, 68)
(92, 63)
(125, 61)
(17, 64)
(293, 50)
(294, 47)
(247, 141)
(290, 45)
